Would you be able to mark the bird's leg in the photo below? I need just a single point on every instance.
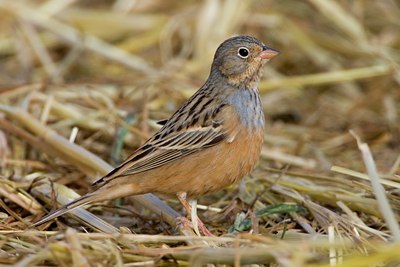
(182, 198)
(197, 224)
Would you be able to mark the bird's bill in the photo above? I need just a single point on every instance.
(268, 53)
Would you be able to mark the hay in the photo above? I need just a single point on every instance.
(84, 84)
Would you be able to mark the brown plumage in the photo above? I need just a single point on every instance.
(212, 141)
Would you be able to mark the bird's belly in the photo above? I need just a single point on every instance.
(209, 170)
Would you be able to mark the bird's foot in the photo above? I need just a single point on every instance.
(201, 227)
(191, 209)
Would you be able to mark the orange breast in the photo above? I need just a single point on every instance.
(208, 170)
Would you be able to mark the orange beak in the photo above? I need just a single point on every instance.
(268, 53)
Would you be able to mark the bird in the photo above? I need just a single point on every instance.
(212, 141)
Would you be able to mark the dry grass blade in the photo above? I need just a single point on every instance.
(11, 192)
(64, 196)
(363, 176)
(379, 191)
(92, 165)
(345, 22)
(330, 77)
(84, 83)
(74, 37)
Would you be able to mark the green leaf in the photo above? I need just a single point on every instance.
(241, 223)
(280, 208)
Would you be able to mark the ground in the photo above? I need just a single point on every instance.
(102, 74)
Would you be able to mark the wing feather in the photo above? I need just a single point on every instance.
(156, 153)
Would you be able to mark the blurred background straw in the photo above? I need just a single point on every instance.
(83, 83)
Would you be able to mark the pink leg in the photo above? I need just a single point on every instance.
(202, 228)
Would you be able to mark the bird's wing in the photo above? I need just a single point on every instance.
(158, 152)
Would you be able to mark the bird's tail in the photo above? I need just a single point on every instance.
(83, 200)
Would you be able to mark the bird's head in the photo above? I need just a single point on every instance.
(240, 60)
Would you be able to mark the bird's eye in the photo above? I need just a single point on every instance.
(243, 52)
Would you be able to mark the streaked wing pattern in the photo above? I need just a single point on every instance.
(156, 153)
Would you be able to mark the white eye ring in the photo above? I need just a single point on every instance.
(243, 52)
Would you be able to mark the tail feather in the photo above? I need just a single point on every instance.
(83, 200)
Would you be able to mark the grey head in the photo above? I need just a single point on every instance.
(240, 60)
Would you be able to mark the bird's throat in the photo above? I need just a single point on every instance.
(247, 103)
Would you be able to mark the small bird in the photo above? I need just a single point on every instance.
(210, 142)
